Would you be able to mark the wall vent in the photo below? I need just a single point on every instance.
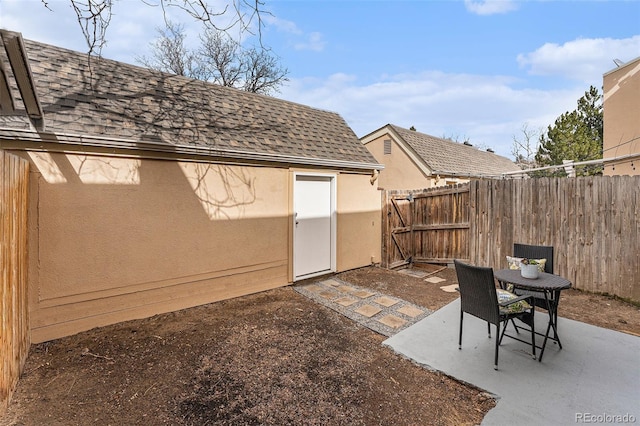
(387, 146)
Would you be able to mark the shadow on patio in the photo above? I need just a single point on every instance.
(595, 374)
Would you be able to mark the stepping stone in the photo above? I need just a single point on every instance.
(345, 301)
(367, 310)
(327, 294)
(435, 280)
(346, 289)
(392, 321)
(450, 288)
(410, 311)
(362, 294)
(386, 301)
(332, 283)
(413, 273)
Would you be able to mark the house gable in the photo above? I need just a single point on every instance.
(441, 161)
(403, 168)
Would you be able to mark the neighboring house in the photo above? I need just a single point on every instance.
(152, 192)
(414, 160)
(621, 114)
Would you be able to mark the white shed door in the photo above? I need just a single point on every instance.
(313, 225)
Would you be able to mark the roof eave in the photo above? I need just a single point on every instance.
(467, 175)
(78, 142)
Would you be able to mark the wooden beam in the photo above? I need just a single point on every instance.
(22, 73)
(7, 104)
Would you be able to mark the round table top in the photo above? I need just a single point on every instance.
(545, 281)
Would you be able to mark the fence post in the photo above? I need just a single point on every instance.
(14, 308)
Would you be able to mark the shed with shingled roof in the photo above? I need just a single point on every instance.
(157, 192)
(414, 160)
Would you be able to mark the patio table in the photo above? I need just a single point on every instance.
(550, 285)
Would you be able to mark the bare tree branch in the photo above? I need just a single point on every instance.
(220, 59)
(169, 53)
(94, 16)
(263, 74)
(524, 150)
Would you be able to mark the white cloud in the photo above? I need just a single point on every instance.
(281, 24)
(488, 110)
(309, 41)
(582, 59)
(490, 7)
(314, 41)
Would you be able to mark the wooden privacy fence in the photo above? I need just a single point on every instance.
(14, 320)
(591, 221)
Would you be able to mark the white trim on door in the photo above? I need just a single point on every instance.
(300, 247)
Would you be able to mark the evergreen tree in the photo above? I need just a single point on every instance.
(576, 135)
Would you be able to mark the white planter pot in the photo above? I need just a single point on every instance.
(529, 271)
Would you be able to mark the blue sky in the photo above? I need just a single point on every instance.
(476, 70)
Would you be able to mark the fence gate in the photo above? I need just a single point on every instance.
(425, 226)
(397, 211)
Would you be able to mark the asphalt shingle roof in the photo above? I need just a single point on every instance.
(105, 98)
(442, 155)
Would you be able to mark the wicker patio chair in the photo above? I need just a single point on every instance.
(479, 297)
(535, 252)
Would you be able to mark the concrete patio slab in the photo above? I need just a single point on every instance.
(595, 378)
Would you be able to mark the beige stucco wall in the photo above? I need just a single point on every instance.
(359, 226)
(113, 239)
(621, 106)
(400, 172)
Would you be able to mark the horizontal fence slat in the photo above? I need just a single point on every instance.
(437, 260)
(401, 230)
(441, 226)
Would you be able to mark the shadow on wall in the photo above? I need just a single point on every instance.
(123, 238)
(223, 191)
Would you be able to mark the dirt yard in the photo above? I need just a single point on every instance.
(268, 359)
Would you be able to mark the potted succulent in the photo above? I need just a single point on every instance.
(529, 268)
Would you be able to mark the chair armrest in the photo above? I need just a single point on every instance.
(517, 299)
